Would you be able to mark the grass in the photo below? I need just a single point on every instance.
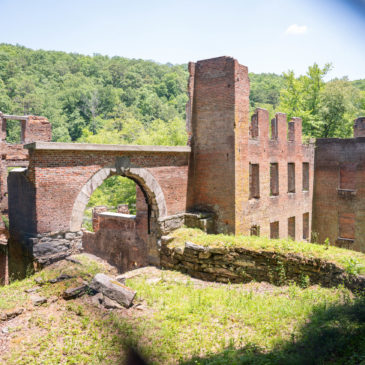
(353, 262)
(186, 321)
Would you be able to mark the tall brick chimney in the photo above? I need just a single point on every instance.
(218, 120)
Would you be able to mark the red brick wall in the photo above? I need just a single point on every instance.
(264, 151)
(339, 192)
(59, 176)
(123, 242)
(14, 155)
(212, 160)
(226, 142)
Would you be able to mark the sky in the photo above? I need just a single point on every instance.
(265, 35)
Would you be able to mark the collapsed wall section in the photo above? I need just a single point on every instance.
(339, 191)
(120, 238)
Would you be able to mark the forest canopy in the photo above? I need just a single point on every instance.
(100, 99)
(103, 99)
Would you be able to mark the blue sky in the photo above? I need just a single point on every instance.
(266, 36)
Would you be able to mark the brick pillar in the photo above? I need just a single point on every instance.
(36, 129)
(219, 109)
(359, 127)
(95, 216)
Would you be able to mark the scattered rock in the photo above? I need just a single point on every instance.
(38, 300)
(5, 316)
(39, 281)
(70, 235)
(97, 299)
(111, 304)
(193, 246)
(62, 277)
(72, 293)
(74, 261)
(32, 290)
(113, 289)
(5, 330)
(140, 306)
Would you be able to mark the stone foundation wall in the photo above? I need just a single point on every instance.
(240, 265)
(54, 246)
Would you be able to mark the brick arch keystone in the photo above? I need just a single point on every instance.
(141, 176)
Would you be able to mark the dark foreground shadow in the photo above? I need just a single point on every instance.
(332, 335)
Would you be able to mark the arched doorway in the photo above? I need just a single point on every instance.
(156, 208)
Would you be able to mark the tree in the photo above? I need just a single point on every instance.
(301, 97)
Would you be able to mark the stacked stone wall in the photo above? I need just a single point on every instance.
(242, 265)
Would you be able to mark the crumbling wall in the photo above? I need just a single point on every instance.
(120, 238)
(280, 179)
(339, 190)
(242, 265)
(33, 128)
(255, 176)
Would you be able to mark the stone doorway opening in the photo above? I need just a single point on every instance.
(126, 232)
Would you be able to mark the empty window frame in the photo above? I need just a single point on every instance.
(254, 181)
(274, 179)
(348, 176)
(291, 132)
(346, 223)
(274, 128)
(305, 226)
(254, 127)
(291, 227)
(274, 230)
(305, 176)
(255, 230)
(291, 177)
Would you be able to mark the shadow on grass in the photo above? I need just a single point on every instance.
(332, 335)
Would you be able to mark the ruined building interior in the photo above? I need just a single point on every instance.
(239, 174)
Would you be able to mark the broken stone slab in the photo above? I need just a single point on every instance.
(32, 290)
(111, 304)
(62, 277)
(6, 316)
(97, 299)
(37, 300)
(113, 289)
(72, 293)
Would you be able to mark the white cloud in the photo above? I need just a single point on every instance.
(296, 29)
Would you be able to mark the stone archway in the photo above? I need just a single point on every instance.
(153, 195)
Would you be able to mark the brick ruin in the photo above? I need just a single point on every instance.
(32, 128)
(239, 174)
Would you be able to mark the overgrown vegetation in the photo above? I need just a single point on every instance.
(353, 262)
(113, 191)
(179, 320)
